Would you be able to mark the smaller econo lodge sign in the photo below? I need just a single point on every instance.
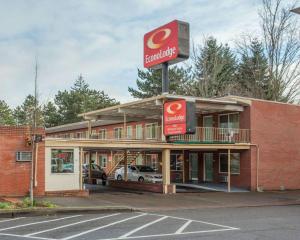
(168, 43)
(179, 118)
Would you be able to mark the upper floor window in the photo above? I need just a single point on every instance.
(151, 131)
(129, 132)
(102, 134)
(231, 120)
(23, 156)
(139, 131)
(118, 132)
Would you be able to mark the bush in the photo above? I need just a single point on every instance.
(5, 205)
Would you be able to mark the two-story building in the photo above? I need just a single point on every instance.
(248, 143)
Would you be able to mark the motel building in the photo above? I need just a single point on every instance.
(238, 143)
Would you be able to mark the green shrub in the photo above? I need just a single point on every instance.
(5, 205)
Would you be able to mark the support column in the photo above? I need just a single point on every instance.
(89, 129)
(80, 168)
(90, 167)
(229, 171)
(166, 170)
(125, 166)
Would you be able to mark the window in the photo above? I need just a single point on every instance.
(176, 162)
(103, 160)
(152, 161)
(231, 120)
(102, 134)
(139, 131)
(129, 132)
(80, 135)
(234, 163)
(62, 161)
(23, 156)
(118, 132)
(151, 131)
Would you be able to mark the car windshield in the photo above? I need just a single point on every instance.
(145, 169)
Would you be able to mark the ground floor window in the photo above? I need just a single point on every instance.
(24, 156)
(103, 160)
(234, 163)
(62, 161)
(152, 161)
(176, 162)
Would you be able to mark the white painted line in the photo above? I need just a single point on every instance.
(12, 219)
(34, 223)
(184, 226)
(101, 227)
(21, 236)
(71, 224)
(142, 227)
(171, 234)
(209, 223)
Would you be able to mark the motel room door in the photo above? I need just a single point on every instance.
(208, 128)
(193, 167)
(208, 167)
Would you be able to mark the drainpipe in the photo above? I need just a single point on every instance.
(257, 166)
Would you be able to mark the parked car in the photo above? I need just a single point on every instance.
(96, 172)
(139, 173)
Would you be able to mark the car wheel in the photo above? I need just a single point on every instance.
(141, 179)
(119, 177)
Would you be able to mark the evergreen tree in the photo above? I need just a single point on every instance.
(214, 69)
(51, 116)
(6, 116)
(149, 82)
(78, 100)
(24, 114)
(253, 71)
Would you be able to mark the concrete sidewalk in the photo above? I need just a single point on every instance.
(154, 202)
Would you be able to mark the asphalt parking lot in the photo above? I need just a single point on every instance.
(278, 222)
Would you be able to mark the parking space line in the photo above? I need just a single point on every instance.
(12, 219)
(34, 223)
(209, 223)
(71, 224)
(184, 226)
(101, 227)
(142, 227)
(21, 236)
(171, 234)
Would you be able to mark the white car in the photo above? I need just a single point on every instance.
(141, 173)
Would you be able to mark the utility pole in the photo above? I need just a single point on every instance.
(34, 125)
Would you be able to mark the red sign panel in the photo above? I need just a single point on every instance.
(175, 117)
(161, 44)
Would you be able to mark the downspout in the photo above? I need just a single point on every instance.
(257, 166)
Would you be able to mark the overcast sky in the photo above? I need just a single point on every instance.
(100, 39)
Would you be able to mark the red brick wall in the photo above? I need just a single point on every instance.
(276, 128)
(15, 176)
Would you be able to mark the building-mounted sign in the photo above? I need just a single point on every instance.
(168, 43)
(179, 117)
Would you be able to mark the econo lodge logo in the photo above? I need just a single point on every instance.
(161, 44)
(158, 38)
(173, 108)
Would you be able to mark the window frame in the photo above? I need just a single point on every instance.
(155, 124)
(102, 132)
(120, 133)
(136, 131)
(176, 164)
(17, 160)
(231, 159)
(62, 149)
(228, 120)
(131, 132)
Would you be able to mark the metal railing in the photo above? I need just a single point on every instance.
(154, 133)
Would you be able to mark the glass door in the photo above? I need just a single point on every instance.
(193, 167)
(208, 167)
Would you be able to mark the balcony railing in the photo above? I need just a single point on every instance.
(154, 133)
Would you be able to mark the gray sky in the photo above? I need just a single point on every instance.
(100, 39)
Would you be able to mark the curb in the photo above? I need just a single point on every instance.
(62, 210)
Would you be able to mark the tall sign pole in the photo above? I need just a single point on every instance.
(165, 78)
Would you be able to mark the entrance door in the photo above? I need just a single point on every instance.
(208, 128)
(193, 166)
(208, 167)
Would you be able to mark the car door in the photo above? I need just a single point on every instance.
(133, 173)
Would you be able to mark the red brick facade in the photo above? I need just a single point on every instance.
(15, 176)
